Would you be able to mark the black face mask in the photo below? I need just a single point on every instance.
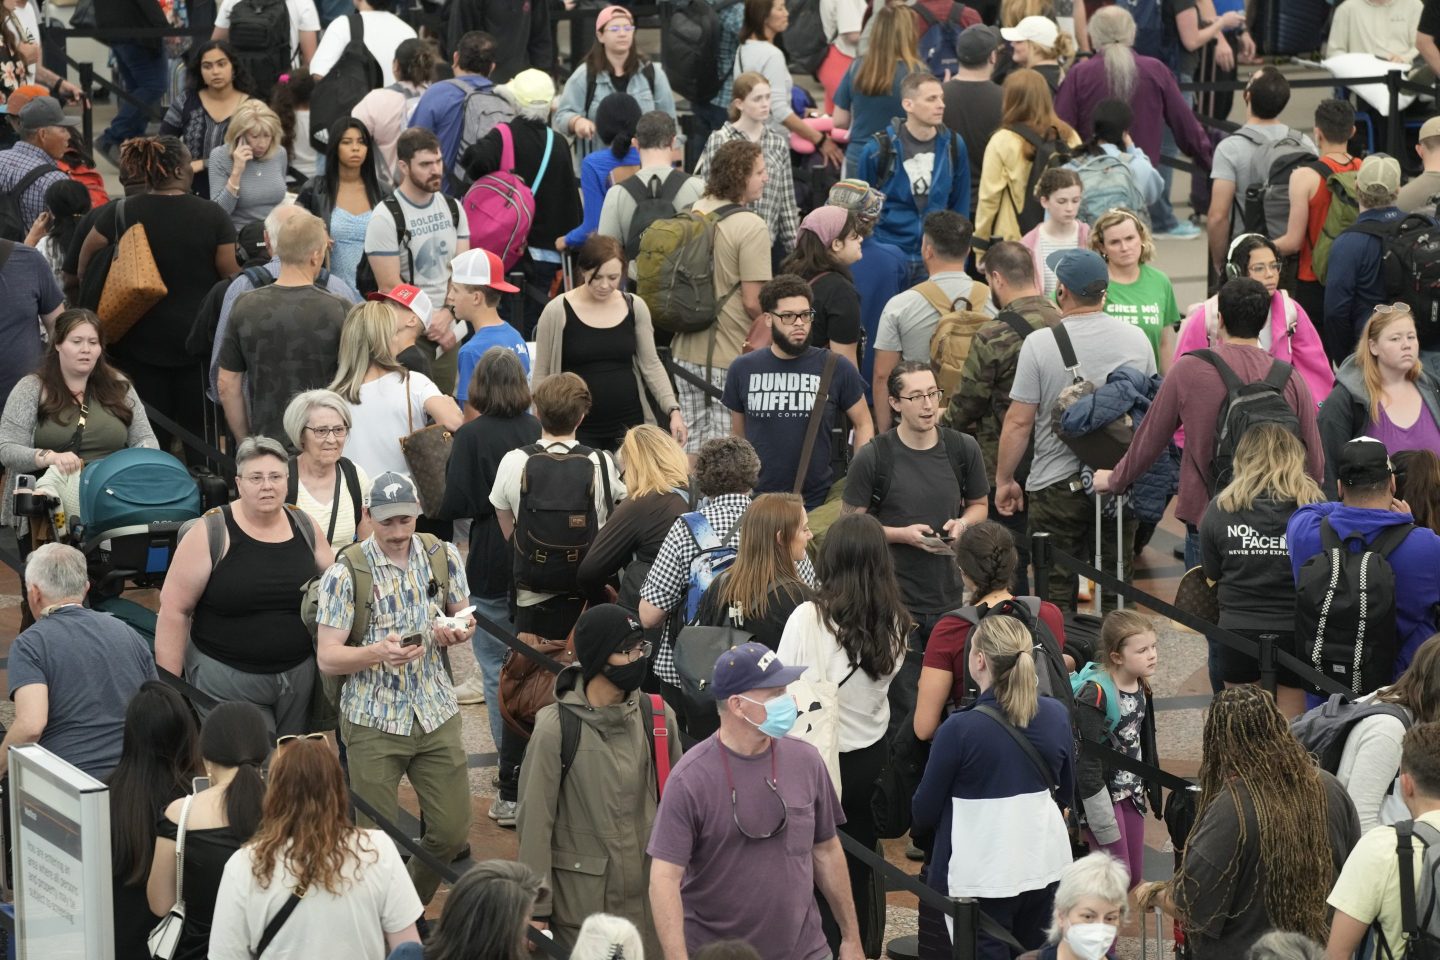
(629, 676)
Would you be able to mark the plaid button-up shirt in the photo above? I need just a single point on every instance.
(776, 205)
(20, 160)
(385, 698)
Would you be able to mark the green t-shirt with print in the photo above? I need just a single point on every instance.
(1148, 303)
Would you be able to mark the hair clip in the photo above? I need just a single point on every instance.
(284, 78)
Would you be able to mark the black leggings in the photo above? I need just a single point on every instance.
(858, 771)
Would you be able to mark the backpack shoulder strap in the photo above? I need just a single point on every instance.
(932, 293)
(362, 582)
(352, 485)
(649, 71)
(544, 160)
(639, 192)
(439, 559)
(955, 452)
(300, 520)
(507, 148)
(1391, 538)
(1405, 853)
(591, 79)
(292, 484)
(215, 533)
(885, 156)
(402, 234)
(24, 182)
(700, 530)
(1279, 374)
(1015, 321)
(1067, 349)
(1023, 742)
(957, 11)
(884, 464)
(569, 743)
(659, 738)
(357, 27)
(258, 277)
(675, 181)
(925, 14)
(1232, 382)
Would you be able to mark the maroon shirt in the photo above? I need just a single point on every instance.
(1190, 396)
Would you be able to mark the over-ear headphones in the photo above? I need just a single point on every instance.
(1233, 270)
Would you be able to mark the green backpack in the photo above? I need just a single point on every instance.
(675, 271)
(1344, 208)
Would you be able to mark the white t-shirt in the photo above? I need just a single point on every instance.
(320, 508)
(384, 32)
(864, 703)
(435, 235)
(1369, 768)
(505, 495)
(842, 16)
(29, 20)
(353, 925)
(378, 421)
(303, 16)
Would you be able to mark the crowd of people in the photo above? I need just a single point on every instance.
(753, 453)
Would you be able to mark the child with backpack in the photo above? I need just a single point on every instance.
(1061, 193)
(1113, 170)
(1114, 708)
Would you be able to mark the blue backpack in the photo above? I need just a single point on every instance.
(1092, 672)
(938, 45)
(713, 559)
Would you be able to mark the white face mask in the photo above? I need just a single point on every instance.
(1090, 940)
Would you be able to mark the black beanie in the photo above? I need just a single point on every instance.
(601, 631)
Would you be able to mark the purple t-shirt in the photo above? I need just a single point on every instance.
(736, 887)
(1423, 434)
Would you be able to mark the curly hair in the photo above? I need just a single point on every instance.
(726, 465)
(729, 170)
(291, 95)
(307, 822)
(416, 59)
(986, 555)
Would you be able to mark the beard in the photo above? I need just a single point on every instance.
(780, 337)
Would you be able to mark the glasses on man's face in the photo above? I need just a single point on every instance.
(795, 319)
(325, 433)
(290, 738)
(932, 396)
(621, 28)
(263, 479)
(640, 651)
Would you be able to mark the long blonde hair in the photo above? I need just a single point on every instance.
(1013, 11)
(364, 340)
(253, 115)
(892, 40)
(654, 462)
(1369, 366)
(1269, 462)
(1008, 646)
(763, 562)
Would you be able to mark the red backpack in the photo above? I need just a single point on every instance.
(81, 172)
(500, 206)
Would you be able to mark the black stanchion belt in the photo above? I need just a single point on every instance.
(705, 386)
(1219, 634)
(191, 440)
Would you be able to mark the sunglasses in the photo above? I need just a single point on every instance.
(290, 738)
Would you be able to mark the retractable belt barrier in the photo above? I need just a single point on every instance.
(190, 439)
(699, 383)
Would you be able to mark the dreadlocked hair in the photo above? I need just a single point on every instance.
(1248, 743)
(156, 160)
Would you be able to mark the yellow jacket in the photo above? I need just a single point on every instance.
(1004, 170)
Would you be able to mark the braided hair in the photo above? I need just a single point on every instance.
(986, 555)
(1247, 741)
(155, 160)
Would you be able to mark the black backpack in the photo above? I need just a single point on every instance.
(805, 43)
(1420, 932)
(1050, 151)
(1323, 730)
(691, 51)
(653, 201)
(885, 159)
(1049, 660)
(1410, 267)
(1246, 405)
(260, 34)
(345, 84)
(556, 521)
(13, 225)
(1345, 609)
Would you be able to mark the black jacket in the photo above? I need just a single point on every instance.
(521, 29)
(557, 197)
(130, 15)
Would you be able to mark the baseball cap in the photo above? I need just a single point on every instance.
(481, 268)
(858, 197)
(750, 666)
(408, 296)
(610, 13)
(44, 112)
(1081, 271)
(1364, 461)
(601, 631)
(392, 495)
(532, 86)
(975, 45)
(23, 95)
(1037, 30)
(251, 239)
(1430, 128)
(1379, 176)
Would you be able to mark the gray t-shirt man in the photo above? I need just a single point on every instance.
(620, 205)
(1235, 158)
(908, 320)
(92, 664)
(1102, 345)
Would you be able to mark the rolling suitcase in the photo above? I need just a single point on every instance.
(1119, 548)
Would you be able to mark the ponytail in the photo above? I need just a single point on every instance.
(245, 799)
(1007, 645)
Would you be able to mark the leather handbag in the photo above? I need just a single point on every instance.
(134, 285)
(427, 455)
(164, 939)
(526, 686)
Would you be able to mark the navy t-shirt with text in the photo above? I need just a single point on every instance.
(776, 396)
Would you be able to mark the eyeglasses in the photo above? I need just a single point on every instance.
(934, 396)
(770, 782)
(621, 28)
(640, 651)
(260, 479)
(325, 433)
(795, 319)
(290, 738)
(1264, 268)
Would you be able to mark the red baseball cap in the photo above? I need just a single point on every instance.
(411, 297)
(481, 268)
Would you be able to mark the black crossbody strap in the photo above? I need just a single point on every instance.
(1067, 349)
(1405, 853)
(1016, 734)
(812, 427)
(276, 922)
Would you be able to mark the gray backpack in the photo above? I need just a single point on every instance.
(1264, 198)
(483, 109)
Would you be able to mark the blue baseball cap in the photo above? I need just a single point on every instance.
(1082, 272)
(750, 666)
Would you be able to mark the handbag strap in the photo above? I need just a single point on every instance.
(276, 922)
(180, 852)
(812, 428)
(409, 407)
(1031, 753)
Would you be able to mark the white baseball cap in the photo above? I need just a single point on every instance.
(1037, 30)
(480, 268)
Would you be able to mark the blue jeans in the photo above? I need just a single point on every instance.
(489, 655)
(142, 75)
(1162, 214)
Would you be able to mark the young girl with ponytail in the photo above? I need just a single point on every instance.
(999, 773)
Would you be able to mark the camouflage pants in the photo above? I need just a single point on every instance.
(1069, 517)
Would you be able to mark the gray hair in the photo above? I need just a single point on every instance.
(252, 448)
(1285, 945)
(606, 937)
(1098, 875)
(1112, 32)
(58, 571)
(273, 222)
(297, 414)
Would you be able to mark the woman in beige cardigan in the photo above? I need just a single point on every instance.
(601, 333)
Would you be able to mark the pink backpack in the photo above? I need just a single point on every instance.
(500, 207)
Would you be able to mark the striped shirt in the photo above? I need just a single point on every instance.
(391, 699)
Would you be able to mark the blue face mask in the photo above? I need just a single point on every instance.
(780, 715)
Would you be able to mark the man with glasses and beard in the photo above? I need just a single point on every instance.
(746, 830)
(770, 394)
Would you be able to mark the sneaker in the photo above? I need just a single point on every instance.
(1184, 230)
(503, 812)
(472, 690)
(913, 852)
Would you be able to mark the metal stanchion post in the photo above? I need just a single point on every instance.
(1043, 560)
(965, 916)
(1394, 127)
(87, 119)
(1267, 662)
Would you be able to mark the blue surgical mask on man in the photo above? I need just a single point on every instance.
(780, 714)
